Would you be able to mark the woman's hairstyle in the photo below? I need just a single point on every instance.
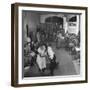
(49, 44)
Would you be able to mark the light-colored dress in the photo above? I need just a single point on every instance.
(41, 58)
(60, 40)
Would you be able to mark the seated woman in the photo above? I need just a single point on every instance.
(33, 53)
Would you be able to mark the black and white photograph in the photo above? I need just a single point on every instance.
(50, 44)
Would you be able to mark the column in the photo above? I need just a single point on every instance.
(77, 24)
(65, 24)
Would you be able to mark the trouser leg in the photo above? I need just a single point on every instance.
(52, 65)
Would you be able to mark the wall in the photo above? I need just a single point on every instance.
(43, 17)
(67, 27)
(31, 19)
(5, 45)
(76, 27)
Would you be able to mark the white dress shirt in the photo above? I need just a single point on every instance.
(50, 52)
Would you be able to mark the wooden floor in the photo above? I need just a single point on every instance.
(65, 66)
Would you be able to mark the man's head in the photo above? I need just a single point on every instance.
(49, 44)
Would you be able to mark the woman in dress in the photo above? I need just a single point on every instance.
(41, 58)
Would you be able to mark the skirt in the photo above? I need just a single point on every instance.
(41, 61)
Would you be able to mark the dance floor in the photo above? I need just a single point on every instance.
(65, 66)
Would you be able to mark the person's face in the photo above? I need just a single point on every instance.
(41, 47)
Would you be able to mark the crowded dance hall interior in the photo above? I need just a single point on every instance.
(51, 43)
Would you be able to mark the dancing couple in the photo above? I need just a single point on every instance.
(43, 52)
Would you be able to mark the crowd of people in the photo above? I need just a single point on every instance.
(40, 50)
